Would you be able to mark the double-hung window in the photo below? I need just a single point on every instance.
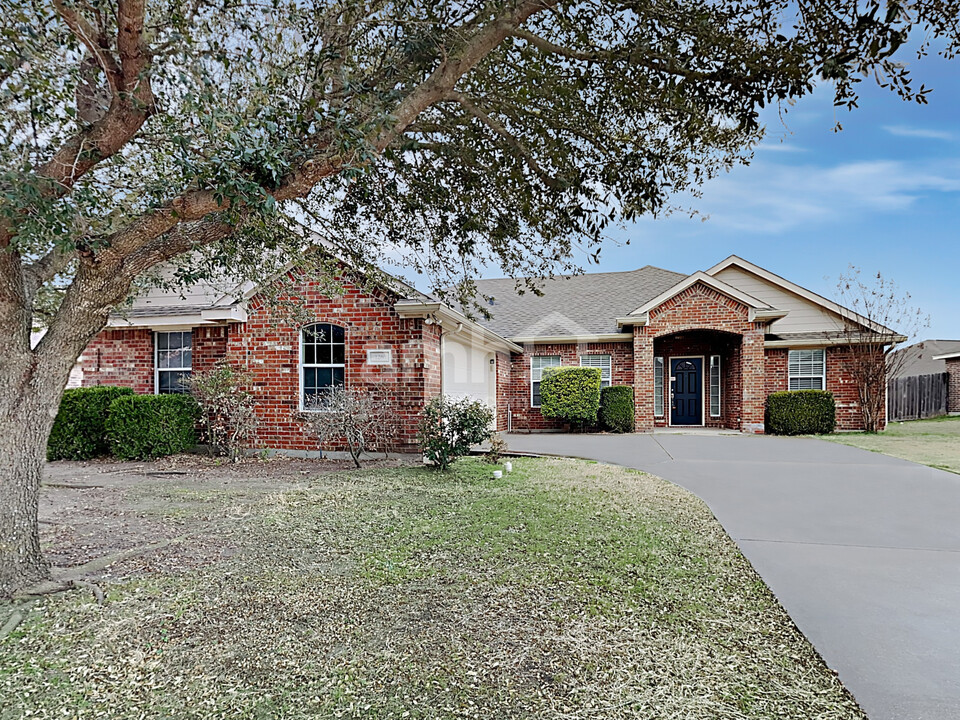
(173, 359)
(537, 365)
(599, 361)
(806, 370)
(323, 362)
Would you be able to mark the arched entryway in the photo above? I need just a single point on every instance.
(697, 379)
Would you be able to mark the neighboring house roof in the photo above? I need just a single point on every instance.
(925, 358)
(580, 305)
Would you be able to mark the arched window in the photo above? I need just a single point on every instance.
(323, 357)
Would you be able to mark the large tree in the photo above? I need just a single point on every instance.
(452, 133)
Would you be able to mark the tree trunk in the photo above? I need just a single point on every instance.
(26, 415)
(32, 382)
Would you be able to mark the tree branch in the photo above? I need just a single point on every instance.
(45, 269)
(510, 139)
(552, 48)
(137, 240)
(128, 110)
(94, 40)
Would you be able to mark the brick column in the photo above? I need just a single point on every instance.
(953, 387)
(643, 380)
(754, 380)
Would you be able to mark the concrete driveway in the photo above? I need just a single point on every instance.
(863, 550)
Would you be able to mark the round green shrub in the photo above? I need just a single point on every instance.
(616, 409)
(140, 427)
(79, 430)
(571, 394)
(801, 412)
(450, 427)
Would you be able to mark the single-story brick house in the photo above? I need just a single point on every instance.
(952, 361)
(700, 350)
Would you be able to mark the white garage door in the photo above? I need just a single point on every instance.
(469, 370)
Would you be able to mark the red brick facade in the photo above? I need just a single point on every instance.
(268, 349)
(677, 327)
(699, 321)
(838, 382)
(120, 357)
(518, 395)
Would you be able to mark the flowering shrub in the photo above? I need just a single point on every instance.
(448, 428)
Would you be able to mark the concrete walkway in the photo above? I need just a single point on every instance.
(862, 549)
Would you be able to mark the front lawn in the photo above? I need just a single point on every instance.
(934, 442)
(565, 590)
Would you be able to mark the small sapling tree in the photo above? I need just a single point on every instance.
(886, 319)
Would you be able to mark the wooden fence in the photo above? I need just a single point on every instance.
(916, 397)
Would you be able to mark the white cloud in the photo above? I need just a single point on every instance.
(778, 147)
(769, 197)
(925, 133)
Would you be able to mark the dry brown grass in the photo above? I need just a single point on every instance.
(565, 590)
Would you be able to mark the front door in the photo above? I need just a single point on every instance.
(686, 391)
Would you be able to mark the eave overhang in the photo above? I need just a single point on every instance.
(449, 318)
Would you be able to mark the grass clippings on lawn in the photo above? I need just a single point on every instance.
(934, 442)
(564, 590)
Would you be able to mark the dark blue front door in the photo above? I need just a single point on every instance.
(686, 390)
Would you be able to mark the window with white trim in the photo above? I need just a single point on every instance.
(172, 362)
(807, 370)
(323, 363)
(714, 386)
(604, 362)
(537, 365)
(658, 387)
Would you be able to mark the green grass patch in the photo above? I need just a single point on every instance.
(934, 442)
(563, 589)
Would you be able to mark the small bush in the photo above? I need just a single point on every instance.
(498, 446)
(801, 412)
(616, 408)
(363, 418)
(79, 431)
(227, 408)
(571, 394)
(150, 426)
(448, 428)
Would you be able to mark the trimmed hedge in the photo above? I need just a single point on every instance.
(801, 412)
(79, 431)
(616, 408)
(150, 426)
(571, 394)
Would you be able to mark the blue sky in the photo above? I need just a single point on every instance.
(882, 195)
